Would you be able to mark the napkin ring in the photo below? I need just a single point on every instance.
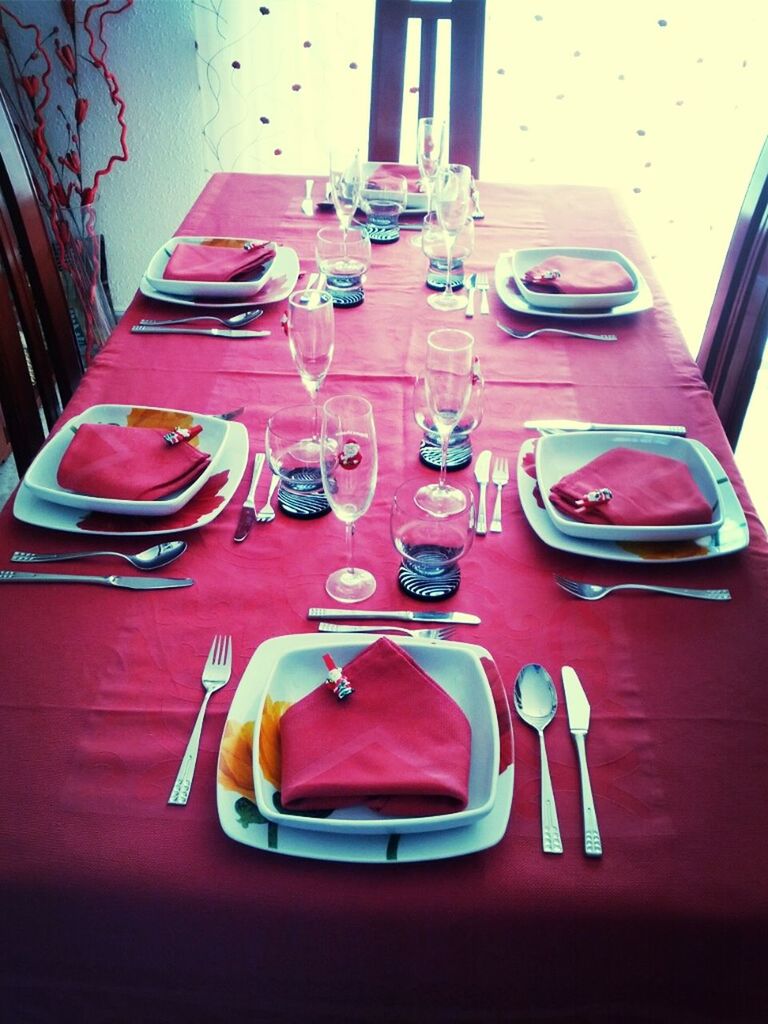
(181, 434)
(336, 681)
(592, 498)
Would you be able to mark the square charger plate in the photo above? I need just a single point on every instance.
(560, 454)
(241, 289)
(732, 536)
(40, 478)
(226, 473)
(524, 259)
(242, 820)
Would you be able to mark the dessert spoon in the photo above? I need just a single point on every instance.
(536, 703)
(151, 558)
(236, 320)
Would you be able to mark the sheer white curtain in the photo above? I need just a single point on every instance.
(667, 105)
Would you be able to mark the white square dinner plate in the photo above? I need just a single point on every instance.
(524, 259)
(292, 671)
(41, 480)
(243, 289)
(560, 454)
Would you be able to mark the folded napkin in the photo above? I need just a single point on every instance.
(385, 175)
(129, 463)
(646, 489)
(573, 275)
(399, 743)
(189, 262)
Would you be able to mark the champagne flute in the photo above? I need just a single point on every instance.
(349, 466)
(311, 338)
(346, 179)
(451, 201)
(448, 385)
(430, 141)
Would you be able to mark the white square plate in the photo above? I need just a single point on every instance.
(293, 667)
(559, 454)
(40, 478)
(524, 259)
(241, 289)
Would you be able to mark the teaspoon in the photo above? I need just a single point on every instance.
(236, 320)
(152, 558)
(536, 703)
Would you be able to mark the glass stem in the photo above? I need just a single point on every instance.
(448, 254)
(350, 538)
(444, 438)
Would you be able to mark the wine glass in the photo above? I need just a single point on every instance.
(447, 385)
(433, 246)
(349, 466)
(311, 337)
(451, 203)
(430, 141)
(346, 178)
(430, 544)
(459, 443)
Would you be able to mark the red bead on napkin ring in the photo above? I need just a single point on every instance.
(592, 498)
(337, 681)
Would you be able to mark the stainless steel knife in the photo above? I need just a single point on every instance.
(128, 582)
(482, 475)
(578, 722)
(558, 426)
(351, 613)
(218, 332)
(307, 205)
(248, 511)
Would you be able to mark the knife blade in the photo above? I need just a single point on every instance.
(351, 613)
(482, 475)
(217, 332)
(248, 511)
(578, 722)
(128, 582)
(307, 205)
(558, 426)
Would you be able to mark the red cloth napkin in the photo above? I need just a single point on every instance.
(399, 743)
(384, 177)
(191, 262)
(130, 463)
(647, 489)
(578, 276)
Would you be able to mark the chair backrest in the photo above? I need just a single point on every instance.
(467, 18)
(40, 354)
(734, 338)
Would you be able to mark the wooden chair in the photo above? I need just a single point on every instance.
(734, 338)
(40, 358)
(467, 19)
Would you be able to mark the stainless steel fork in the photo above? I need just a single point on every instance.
(521, 335)
(444, 633)
(500, 477)
(266, 513)
(592, 592)
(216, 673)
(482, 286)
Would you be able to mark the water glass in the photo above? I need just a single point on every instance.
(430, 544)
(383, 200)
(459, 453)
(344, 257)
(293, 448)
(433, 244)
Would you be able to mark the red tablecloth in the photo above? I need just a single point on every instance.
(117, 907)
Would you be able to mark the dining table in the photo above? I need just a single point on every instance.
(121, 907)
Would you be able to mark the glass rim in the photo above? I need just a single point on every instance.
(450, 331)
(367, 406)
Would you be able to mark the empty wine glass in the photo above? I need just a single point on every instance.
(311, 337)
(349, 467)
(430, 544)
(346, 178)
(459, 452)
(451, 204)
(430, 142)
(447, 386)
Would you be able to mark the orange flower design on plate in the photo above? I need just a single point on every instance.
(269, 740)
(236, 754)
(165, 419)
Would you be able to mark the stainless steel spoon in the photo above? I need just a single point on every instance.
(152, 558)
(536, 703)
(236, 320)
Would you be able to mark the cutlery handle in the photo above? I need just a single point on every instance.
(349, 613)
(482, 522)
(334, 627)
(705, 595)
(550, 829)
(12, 576)
(643, 428)
(470, 310)
(258, 465)
(70, 556)
(484, 308)
(592, 844)
(183, 783)
(496, 518)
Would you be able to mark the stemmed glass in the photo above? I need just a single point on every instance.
(448, 385)
(346, 179)
(451, 203)
(430, 140)
(311, 338)
(459, 443)
(349, 467)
